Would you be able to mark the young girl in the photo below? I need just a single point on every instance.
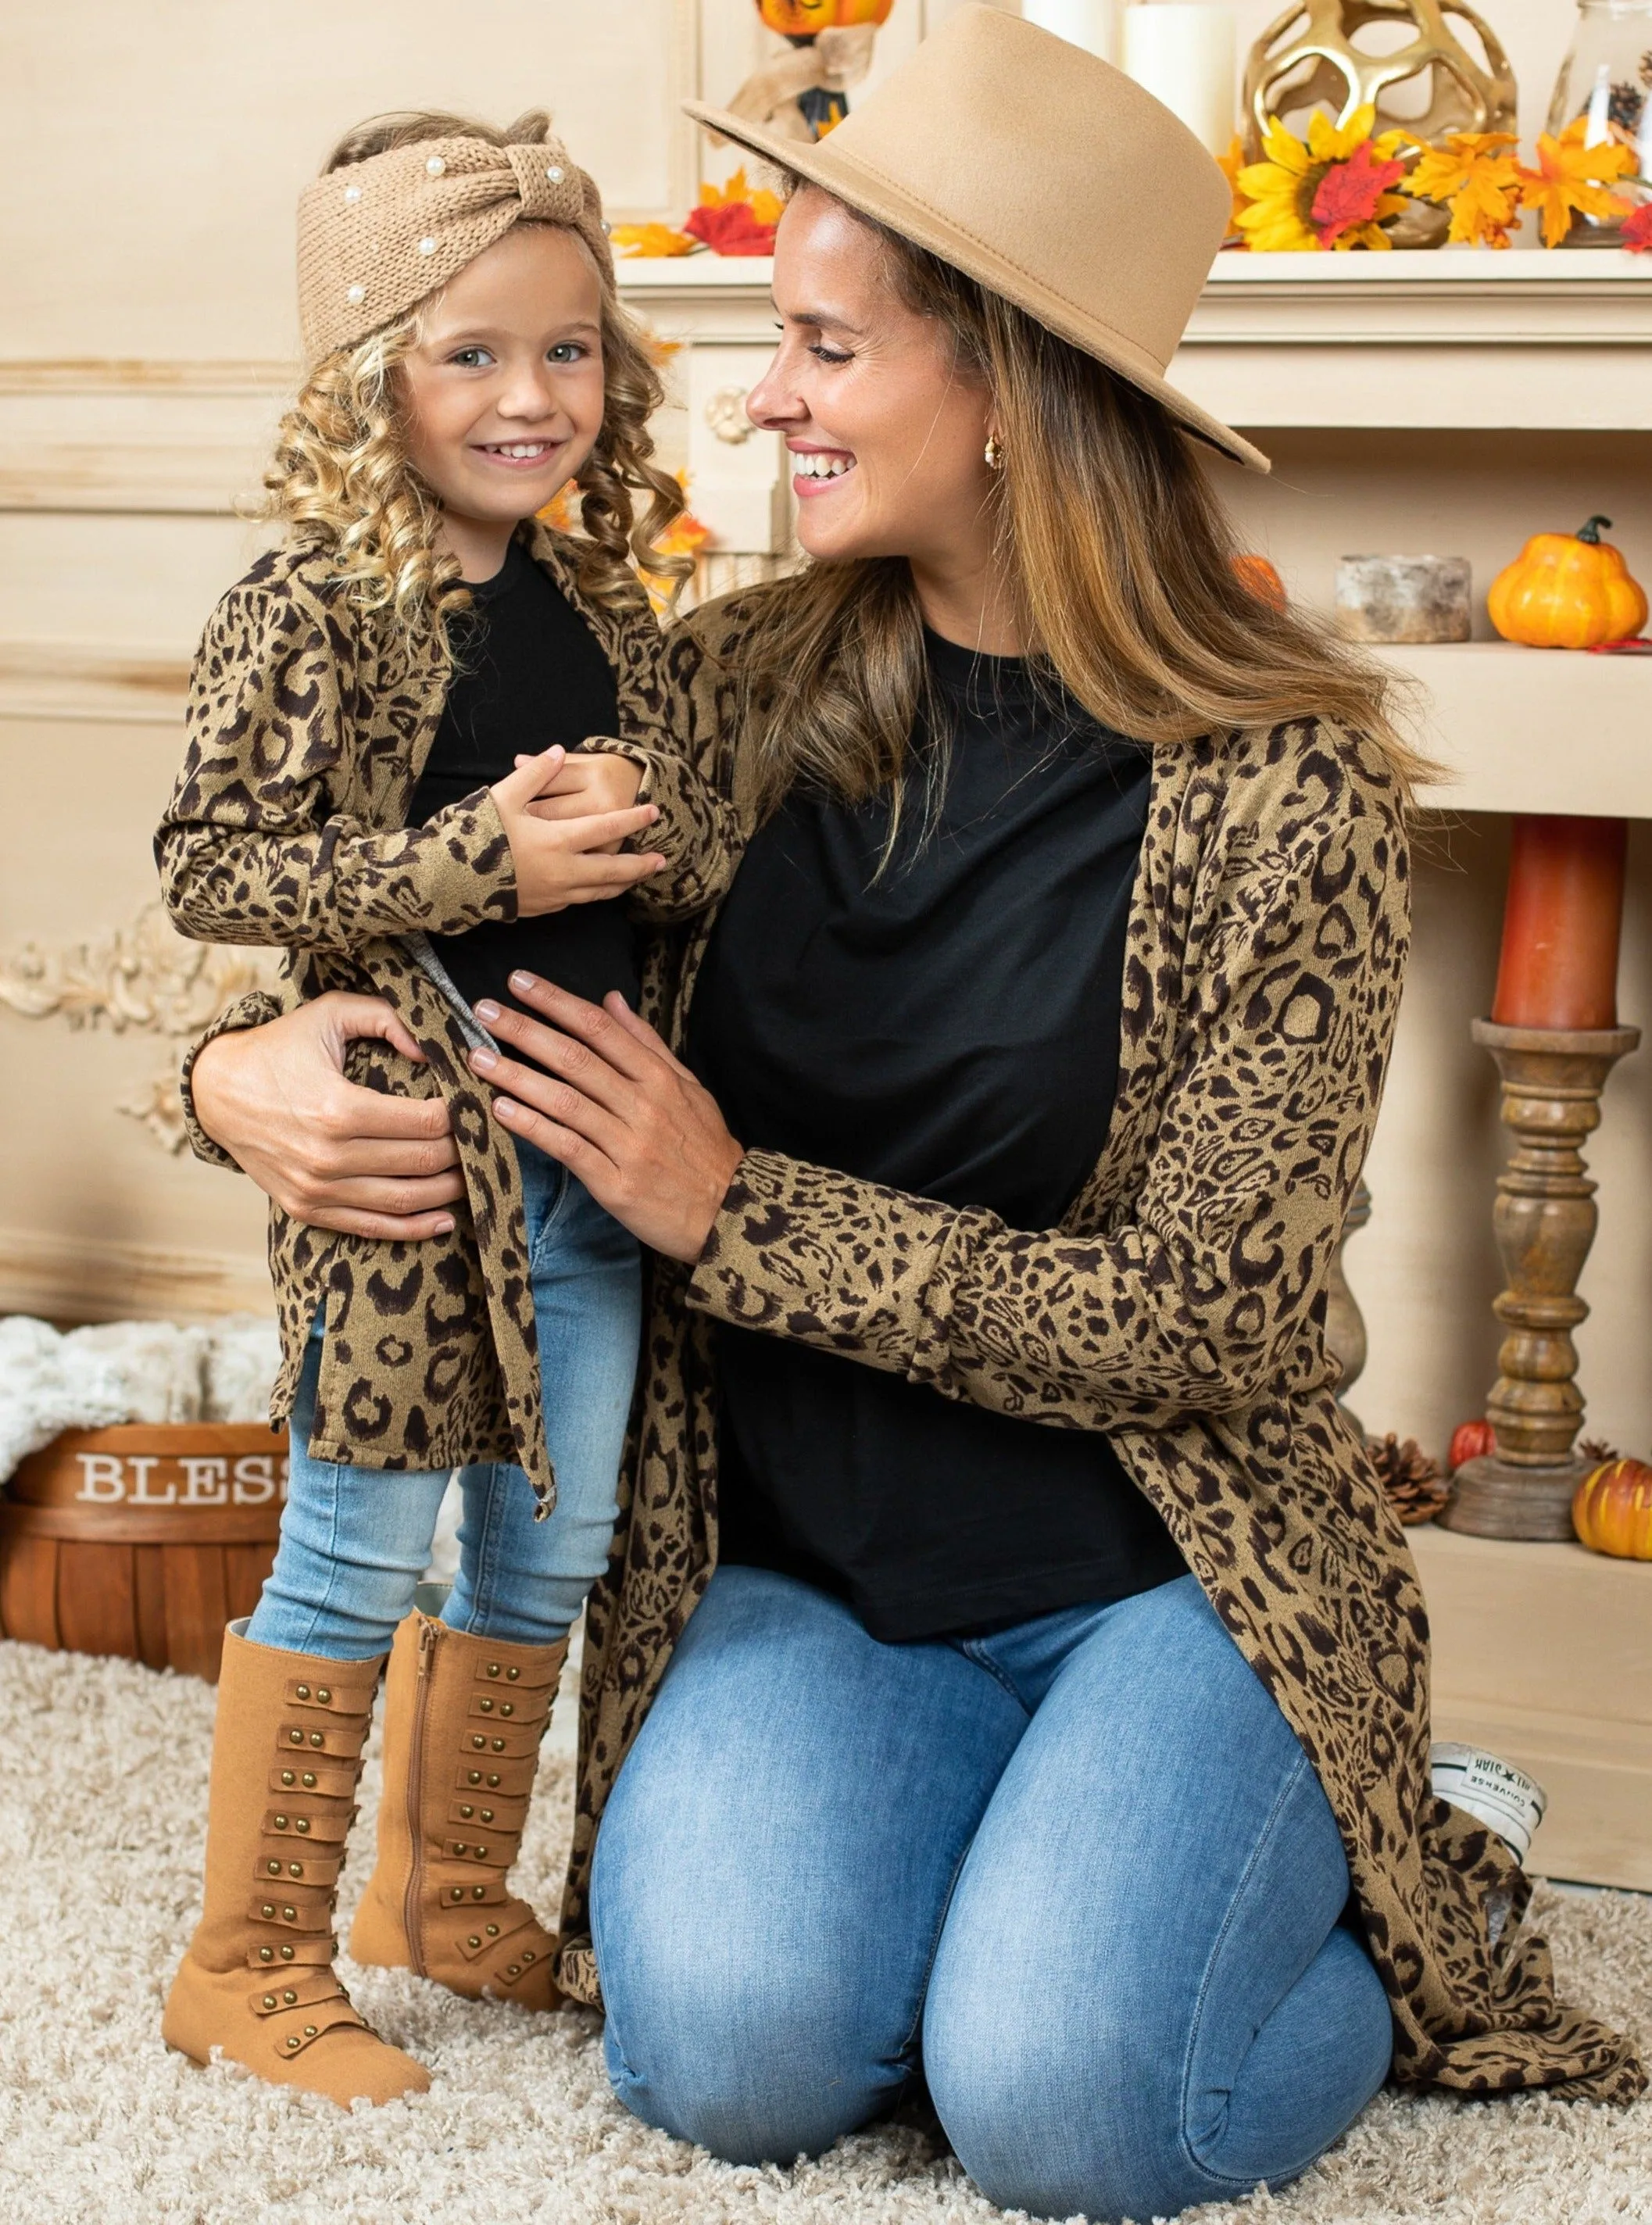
(388, 774)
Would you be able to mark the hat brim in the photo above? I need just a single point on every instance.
(888, 203)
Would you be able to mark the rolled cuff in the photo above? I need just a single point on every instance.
(464, 873)
(248, 1011)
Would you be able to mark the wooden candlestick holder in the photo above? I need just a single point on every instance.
(1545, 1221)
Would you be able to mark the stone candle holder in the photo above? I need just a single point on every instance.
(1403, 598)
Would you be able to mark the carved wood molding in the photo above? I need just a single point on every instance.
(147, 977)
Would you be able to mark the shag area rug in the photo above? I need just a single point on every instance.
(103, 1790)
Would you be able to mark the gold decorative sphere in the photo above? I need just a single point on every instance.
(1308, 57)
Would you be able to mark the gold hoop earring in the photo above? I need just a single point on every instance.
(994, 452)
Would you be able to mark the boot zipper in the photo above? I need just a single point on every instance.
(427, 1640)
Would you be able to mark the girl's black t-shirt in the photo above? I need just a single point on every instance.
(948, 1025)
(529, 673)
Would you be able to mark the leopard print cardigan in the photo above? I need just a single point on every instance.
(309, 724)
(1180, 1307)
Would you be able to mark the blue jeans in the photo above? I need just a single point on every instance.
(354, 1541)
(1079, 1873)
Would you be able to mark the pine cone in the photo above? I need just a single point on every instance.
(1598, 1452)
(1412, 1482)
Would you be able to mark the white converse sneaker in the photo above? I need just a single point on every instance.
(1500, 1796)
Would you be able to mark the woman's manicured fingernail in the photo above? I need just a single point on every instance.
(521, 982)
(506, 1108)
(487, 1011)
(445, 1226)
(484, 1062)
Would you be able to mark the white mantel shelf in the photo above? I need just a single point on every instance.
(1543, 730)
(1459, 339)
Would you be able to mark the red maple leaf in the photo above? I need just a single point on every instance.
(730, 229)
(1636, 234)
(1348, 191)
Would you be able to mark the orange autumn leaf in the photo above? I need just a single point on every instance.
(651, 239)
(1573, 180)
(1472, 173)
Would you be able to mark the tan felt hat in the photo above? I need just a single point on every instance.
(1044, 173)
(376, 236)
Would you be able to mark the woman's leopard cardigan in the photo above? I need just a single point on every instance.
(1180, 1307)
(309, 724)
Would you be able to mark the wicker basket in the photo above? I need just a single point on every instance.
(142, 1540)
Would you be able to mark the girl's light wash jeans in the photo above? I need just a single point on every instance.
(355, 1541)
(1077, 1875)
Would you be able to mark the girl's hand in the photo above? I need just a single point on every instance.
(589, 780)
(617, 1109)
(331, 1153)
(568, 861)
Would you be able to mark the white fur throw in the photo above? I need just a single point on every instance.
(129, 1371)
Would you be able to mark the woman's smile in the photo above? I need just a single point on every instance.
(815, 471)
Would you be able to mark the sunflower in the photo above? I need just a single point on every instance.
(1331, 193)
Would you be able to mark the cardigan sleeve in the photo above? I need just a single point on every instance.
(250, 852)
(1198, 1301)
(696, 833)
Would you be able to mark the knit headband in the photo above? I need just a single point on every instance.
(375, 238)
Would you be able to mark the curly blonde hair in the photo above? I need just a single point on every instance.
(340, 480)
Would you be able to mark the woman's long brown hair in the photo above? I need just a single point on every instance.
(1123, 563)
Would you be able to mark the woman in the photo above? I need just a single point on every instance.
(1011, 1660)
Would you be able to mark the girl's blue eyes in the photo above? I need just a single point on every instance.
(478, 358)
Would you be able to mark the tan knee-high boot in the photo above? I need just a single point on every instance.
(463, 1720)
(258, 1980)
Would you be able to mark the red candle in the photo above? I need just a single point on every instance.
(1559, 968)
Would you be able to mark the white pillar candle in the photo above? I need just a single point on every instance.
(1183, 51)
(1092, 24)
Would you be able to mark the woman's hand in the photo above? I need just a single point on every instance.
(561, 860)
(332, 1154)
(617, 1109)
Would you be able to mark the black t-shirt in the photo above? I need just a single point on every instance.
(949, 1026)
(529, 673)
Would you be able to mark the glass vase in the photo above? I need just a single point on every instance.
(1606, 77)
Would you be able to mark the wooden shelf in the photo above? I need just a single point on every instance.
(1534, 729)
(1543, 1654)
(1460, 338)
(1463, 338)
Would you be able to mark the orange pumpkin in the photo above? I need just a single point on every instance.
(801, 19)
(1568, 591)
(1612, 1511)
(1262, 579)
